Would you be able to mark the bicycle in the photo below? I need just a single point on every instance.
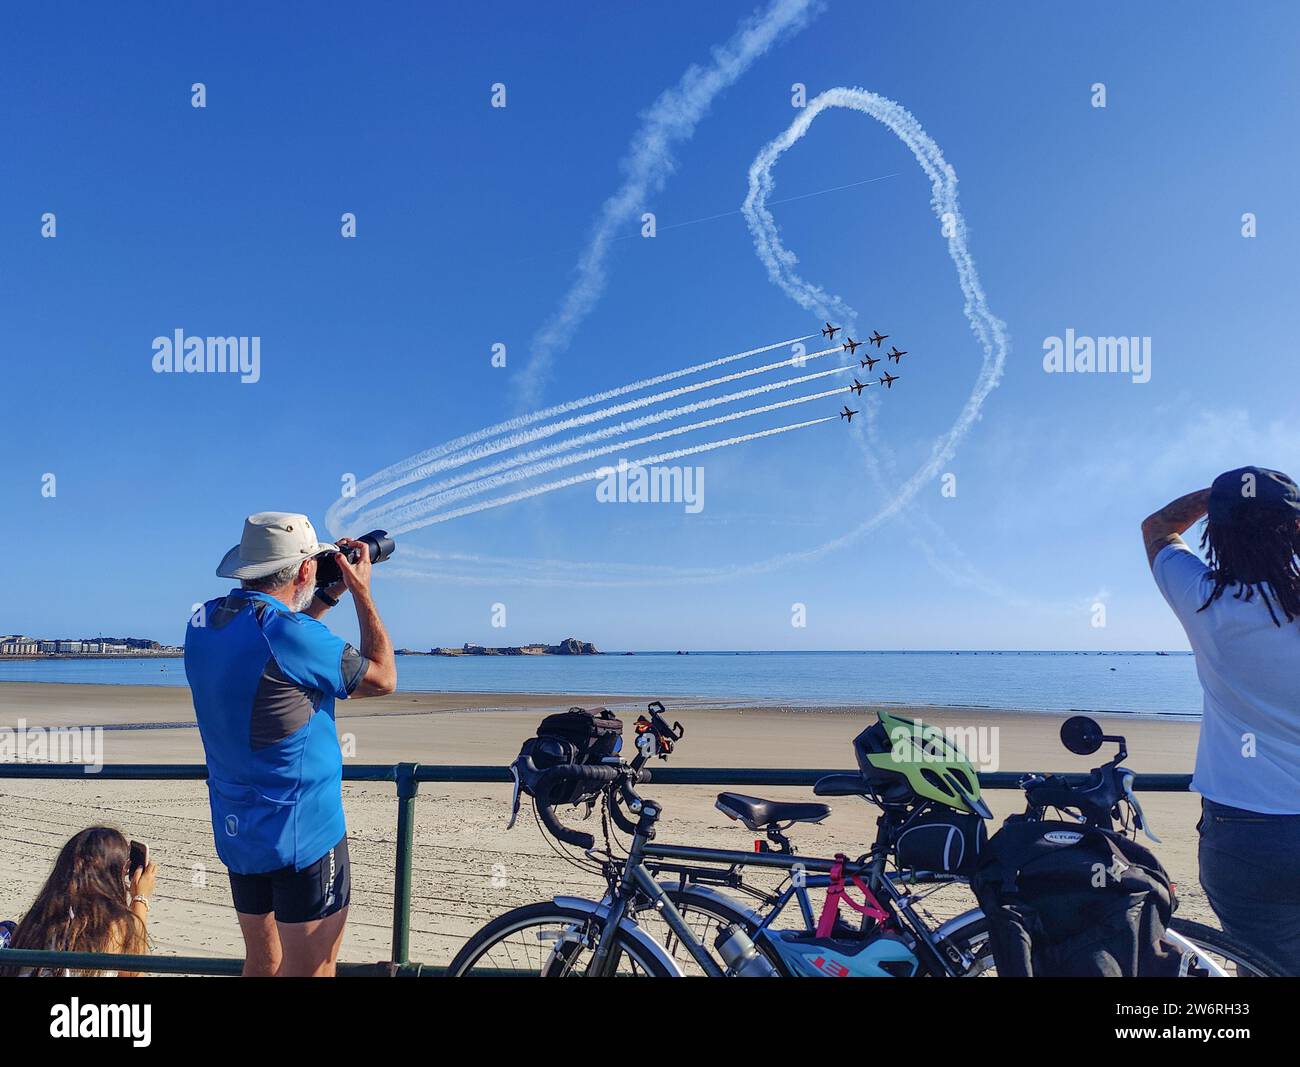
(570, 936)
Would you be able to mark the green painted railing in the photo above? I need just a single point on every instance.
(407, 777)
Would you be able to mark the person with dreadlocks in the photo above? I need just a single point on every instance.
(1241, 612)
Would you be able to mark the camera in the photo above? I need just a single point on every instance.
(376, 542)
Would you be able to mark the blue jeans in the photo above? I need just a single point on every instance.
(1250, 871)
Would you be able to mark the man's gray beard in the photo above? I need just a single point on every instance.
(304, 598)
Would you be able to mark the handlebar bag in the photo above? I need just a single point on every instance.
(577, 737)
(941, 840)
(1069, 900)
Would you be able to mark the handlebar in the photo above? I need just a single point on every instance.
(1094, 799)
(1097, 800)
(605, 774)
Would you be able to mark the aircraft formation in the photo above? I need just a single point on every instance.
(851, 347)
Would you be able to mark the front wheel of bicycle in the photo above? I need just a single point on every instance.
(548, 940)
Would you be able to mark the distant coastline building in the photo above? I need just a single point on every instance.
(21, 645)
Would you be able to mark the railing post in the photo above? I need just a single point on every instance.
(407, 787)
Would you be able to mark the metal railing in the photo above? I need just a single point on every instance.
(407, 778)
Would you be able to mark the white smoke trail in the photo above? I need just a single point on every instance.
(400, 516)
(514, 570)
(378, 515)
(671, 119)
(780, 263)
(602, 472)
(516, 563)
(524, 437)
(384, 481)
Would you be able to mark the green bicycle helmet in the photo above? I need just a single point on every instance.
(905, 760)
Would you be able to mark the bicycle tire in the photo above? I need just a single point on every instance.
(1215, 940)
(973, 940)
(556, 961)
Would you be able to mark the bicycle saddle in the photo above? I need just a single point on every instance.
(758, 814)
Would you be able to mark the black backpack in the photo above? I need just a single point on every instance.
(575, 737)
(1069, 900)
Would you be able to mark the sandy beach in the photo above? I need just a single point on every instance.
(468, 868)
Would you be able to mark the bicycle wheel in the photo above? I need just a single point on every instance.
(972, 941)
(1213, 947)
(706, 914)
(1224, 951)
(545, 940)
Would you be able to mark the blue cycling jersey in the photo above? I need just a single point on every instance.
(264, 680)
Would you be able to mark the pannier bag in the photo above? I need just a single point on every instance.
(941, 840)
(1068, 900)
(576, 737)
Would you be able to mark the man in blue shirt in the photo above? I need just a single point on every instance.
(264, 673)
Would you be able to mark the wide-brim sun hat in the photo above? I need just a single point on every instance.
(272, 540)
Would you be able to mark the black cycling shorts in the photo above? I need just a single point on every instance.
(315, 892)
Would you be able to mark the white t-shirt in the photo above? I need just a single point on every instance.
(1250, 672)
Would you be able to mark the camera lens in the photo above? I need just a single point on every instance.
(378, 544)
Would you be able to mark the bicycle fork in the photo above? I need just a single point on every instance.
(636, 879)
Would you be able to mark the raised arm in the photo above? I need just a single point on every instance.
(381, 676)
(1167, 525)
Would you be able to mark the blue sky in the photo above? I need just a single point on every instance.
(225, 220)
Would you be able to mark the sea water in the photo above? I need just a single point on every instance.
(1139, 683)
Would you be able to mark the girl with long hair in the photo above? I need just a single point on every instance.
(91, 902)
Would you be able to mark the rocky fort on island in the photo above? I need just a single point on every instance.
(570, 646)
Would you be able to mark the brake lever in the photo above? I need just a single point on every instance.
(514, 800)
(1126, 780)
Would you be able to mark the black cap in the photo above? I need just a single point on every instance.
(1253, 494)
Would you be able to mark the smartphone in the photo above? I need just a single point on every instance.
(139, 856)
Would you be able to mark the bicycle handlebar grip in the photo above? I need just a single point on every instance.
(555, 776)
(1052, 796)
(1058, 794)
(581, 773)
(552, 822)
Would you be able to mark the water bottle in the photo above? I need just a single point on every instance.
(741, 956)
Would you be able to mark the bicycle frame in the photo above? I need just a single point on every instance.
(813, 874)
(642, 881)
(637, 878)
(940, 950)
